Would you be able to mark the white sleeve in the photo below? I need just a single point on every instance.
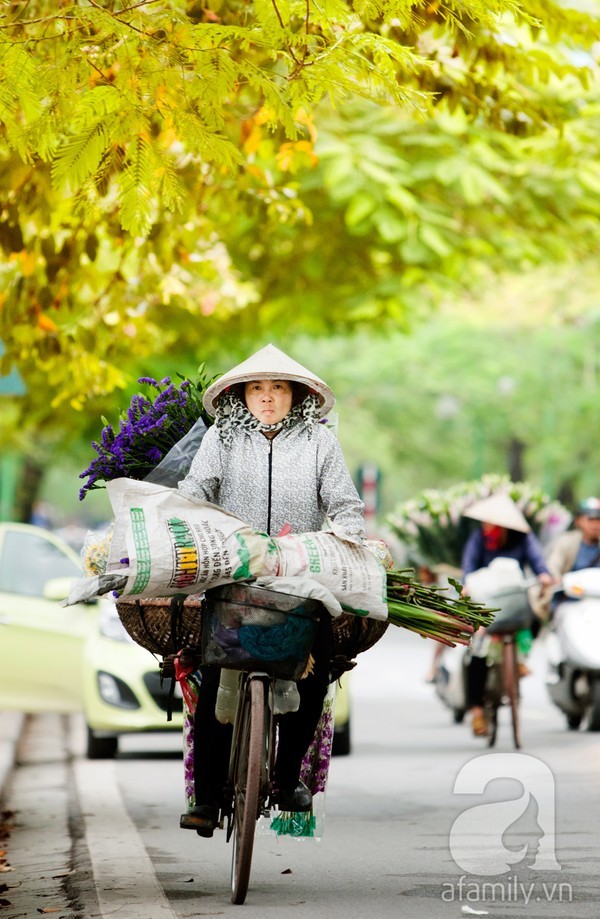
(339, 498)
(204, 478)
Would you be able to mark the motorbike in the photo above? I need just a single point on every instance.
(573, 650)
(450, 682)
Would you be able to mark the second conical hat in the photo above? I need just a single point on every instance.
(269, 364)
(500, 510)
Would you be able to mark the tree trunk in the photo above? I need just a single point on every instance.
(28, 488)
(566, 493)
(515, 455)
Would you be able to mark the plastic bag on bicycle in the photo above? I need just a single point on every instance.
(502, 585)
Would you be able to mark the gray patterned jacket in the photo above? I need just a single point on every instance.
(294, 478)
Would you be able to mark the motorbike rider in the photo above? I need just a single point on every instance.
(503, 532)
(571, 551)
(268, 460)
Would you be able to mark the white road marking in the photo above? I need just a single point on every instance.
(126, 883)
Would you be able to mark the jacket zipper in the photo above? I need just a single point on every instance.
(269, 483)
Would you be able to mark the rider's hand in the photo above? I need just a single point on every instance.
(546, 579)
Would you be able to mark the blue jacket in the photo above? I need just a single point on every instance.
(525, 547)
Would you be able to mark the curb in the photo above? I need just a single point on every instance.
(11, 728)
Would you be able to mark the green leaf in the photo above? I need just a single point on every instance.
(360, 207)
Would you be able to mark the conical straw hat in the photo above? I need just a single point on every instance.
(269, 364)
(499, 510)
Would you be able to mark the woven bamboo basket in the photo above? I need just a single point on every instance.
(163, 625)
(352, 634)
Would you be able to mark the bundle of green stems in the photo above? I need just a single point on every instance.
(429, 610)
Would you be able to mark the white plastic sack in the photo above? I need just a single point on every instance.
(351, 571)
(502, 575)
(166, 542)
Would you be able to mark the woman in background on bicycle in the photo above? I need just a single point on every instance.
(504, 532)
(268, 460)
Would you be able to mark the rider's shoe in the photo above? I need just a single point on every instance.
(478, 722)
(203, 818)
(295, 799)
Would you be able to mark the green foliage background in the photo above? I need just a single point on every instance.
(184, 181)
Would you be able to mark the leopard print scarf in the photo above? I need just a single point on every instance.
(233, 415)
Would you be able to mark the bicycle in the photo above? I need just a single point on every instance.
(502, 687)
(502, 679)
(279, 632)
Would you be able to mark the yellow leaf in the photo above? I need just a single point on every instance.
(46, 324)
(28, 262)
(253, 138)
(296, 155)
(303, 117)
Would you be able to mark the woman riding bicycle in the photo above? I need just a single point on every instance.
(504, 532)
(269, 460)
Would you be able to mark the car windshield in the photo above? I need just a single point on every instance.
(28, 561)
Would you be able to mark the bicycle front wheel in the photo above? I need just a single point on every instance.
(492, 700)
(511, 686)
(247, 777)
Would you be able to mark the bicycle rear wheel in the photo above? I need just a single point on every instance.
(247, 779)
(510, 675)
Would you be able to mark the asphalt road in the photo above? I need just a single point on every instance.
(422, 820)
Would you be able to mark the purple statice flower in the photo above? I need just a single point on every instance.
(148, 428)
(139, 405)
(108, 436)
(165, 397)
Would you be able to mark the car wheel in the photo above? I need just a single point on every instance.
(341, 740)
(101, 747)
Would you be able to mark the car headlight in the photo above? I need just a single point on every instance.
(111, 626)
(114, 691)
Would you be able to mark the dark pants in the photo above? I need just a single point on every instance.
(212, 740)
(476, 677)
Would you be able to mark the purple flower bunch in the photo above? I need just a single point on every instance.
(146, 430)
